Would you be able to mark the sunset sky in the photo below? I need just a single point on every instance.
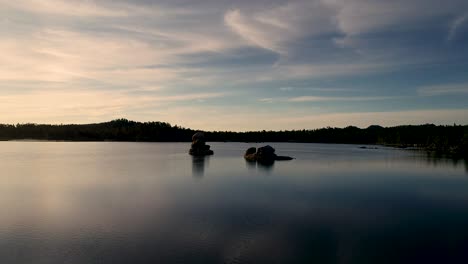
(235, 65)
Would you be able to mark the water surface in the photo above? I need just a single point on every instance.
(153, 203)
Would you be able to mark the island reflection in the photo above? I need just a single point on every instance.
(199, 163)
(260, 166)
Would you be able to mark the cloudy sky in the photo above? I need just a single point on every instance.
(235, 65)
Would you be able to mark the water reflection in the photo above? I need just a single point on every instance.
(266, 166)
(125, 203)
(199, 163)
(251, 165)
(261, 166)
(438, 160)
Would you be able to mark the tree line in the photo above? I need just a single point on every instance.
(451, 139)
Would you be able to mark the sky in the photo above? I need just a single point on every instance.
(235, 65)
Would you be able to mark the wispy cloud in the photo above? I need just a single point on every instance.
(186, 41)
(286, 89)
(266, 100)
(356, 17)
(257, 33)
(307, 98)
(239, 118)
(317, 89)
(444, 89)
(189, 97)
(365, 119)
(321, 70)
(459, 21)
(343, 99)
(67, 8)
(274, 28)
(87, 105)
(94, 9)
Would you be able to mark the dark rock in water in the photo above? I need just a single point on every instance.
(265, 155)
(199, 147)
(266, 150)
(283, 158)
(251, 150)
(364, 147)
(200, 152)
(250, 154)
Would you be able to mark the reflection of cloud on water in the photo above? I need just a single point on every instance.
(309, 224)
(199, 163)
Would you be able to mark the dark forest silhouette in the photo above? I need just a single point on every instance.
(451, 140)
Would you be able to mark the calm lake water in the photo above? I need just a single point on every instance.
(153, 203)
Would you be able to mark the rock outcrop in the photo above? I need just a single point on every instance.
(265, 154)
(199, 147)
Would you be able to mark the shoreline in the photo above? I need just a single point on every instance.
(451, 154)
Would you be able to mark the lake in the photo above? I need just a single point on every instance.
(107, 202)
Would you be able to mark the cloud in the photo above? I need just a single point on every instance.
(255, 34)
(189, 97)
(66, 8)
(286, 89)
(444, 89)
(365, 119)
(110, 51)
(130, 53)
(184, 41)
(321, 70)
(116, 52)
(62, 55)
(355, 17)
(85, 105)
(240, 118)
(274, 28)
(307, 98)
(266, 100)
(458, 22)
(343, 99)
(317, 89)
(93, 9)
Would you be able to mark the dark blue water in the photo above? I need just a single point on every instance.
(153, 203)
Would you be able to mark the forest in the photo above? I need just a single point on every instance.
(447, 140)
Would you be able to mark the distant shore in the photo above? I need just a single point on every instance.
(444, 140)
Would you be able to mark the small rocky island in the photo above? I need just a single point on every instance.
(265, 154)
(199, 147)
